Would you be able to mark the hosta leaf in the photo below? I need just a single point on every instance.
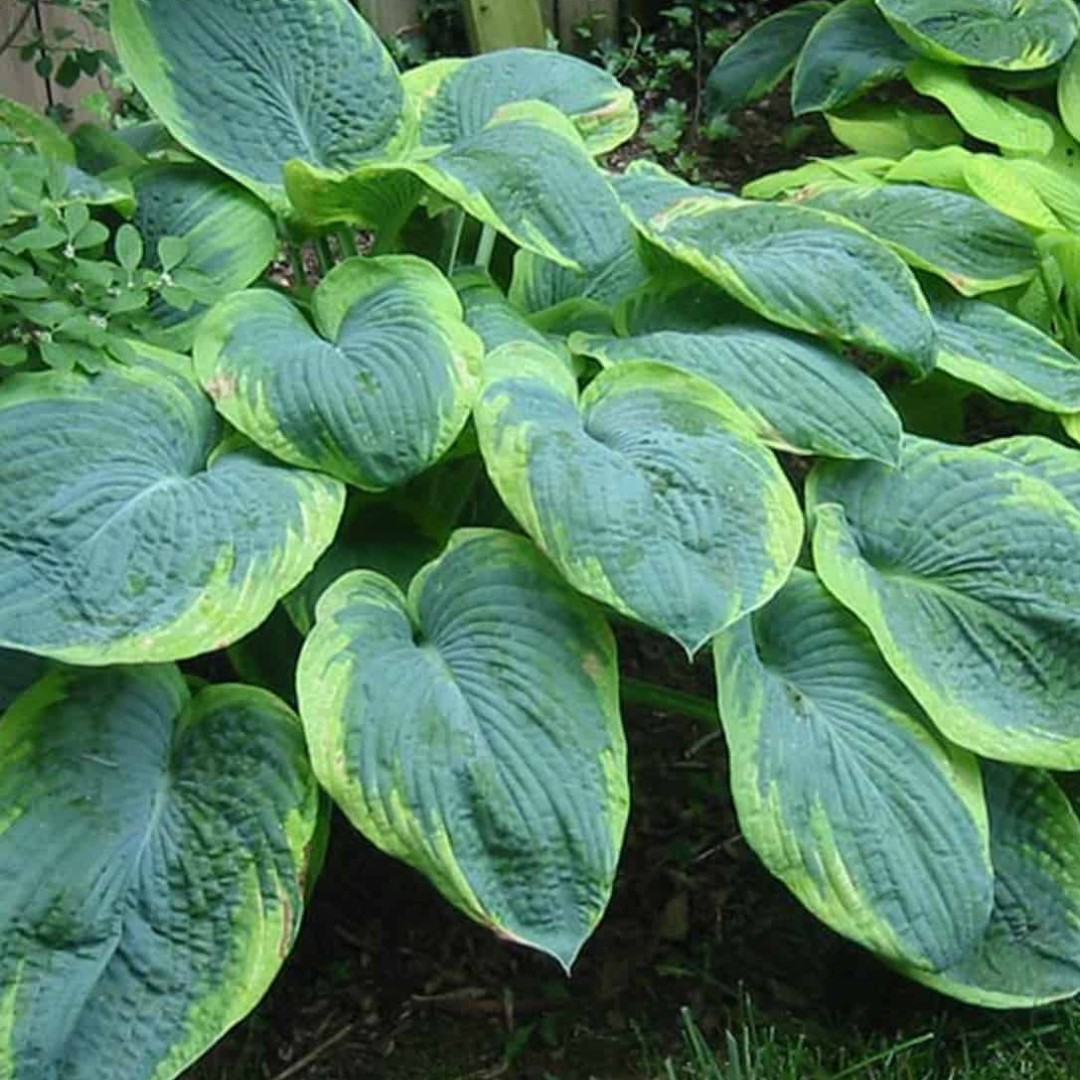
(28, 124)
(376, 392)
(18, 670)
(798, 394)
(1068, 93)
(471, 728)
(456, 98)
(230, 235)
(528, 175)
(761, 58)
(891, 130)
(1028, 955)
(134, 536)
(984, 345)
(249, 86)
(651, 494)
(844, 788)
(987, 33)
(857, 168)
(154, 850)
(979, 111)
(958, 563)
(849, 51)
(379, 197)
(971, 245)
(797, 267)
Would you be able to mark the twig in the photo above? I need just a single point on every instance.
(23, 20)
(308, 1059)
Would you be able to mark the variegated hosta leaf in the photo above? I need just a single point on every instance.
(376, 392)
(456, 98)
(651, 494)
(844, 788)
(851, 50)
(971, 245)
(379, 196)
(761, 58)
(18, 670)
(987, 33)
(231, 235)
(154, 850)
(1029, 953)
(527, 174)
(981, 112)
(798, 394)
(128, 534)
(471, 729)
(494, 318)
(250, 85)
(961, 564)
(802, 268)
(983, 344)
(1068, 93)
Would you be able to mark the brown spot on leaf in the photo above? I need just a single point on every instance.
(221, 387)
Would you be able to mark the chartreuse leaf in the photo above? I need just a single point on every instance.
(18, 670)
(378, 196)
(527, 174)
(154, 849)
(1028, 954)
(987, 33)
(471, 728)
(877, 130)
(29, 124)
(651, 493)
(985, 345)
(251, 85)
(230, 234)
(376, 392)
(857, 168)
(844, 788)
(793, 265)
(956, 562)
(798, 394)
(128, 534)
(849, 51)
(455, 98)
(981, 112)
(1068, 93)
(971, 245)
(761, 58)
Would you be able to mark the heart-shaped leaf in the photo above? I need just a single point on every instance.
(987, 33)
(251, 85)
(128, 534)
(986, 346)
(651, 494)
(154, 850)
(844, 788)
(798, 394)
(456, 98)
(1028, 954)
(849, 51)
(231, 237)
(761, 58)
(472, 730)
(971, 245)
(375, 393)
(793, 265)
(960, 563)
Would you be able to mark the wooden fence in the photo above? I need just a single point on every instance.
(492, 24)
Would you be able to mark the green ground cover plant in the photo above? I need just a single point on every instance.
(409, 498)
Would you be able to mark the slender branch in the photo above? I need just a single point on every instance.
(639, 692)
(309, 1059)
(18, 28)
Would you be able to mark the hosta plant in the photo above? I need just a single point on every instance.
(409, 501)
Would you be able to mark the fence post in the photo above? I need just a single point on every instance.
(390, 17)
(501, 24)
(601, 15)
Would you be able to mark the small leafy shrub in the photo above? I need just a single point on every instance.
(433, 478)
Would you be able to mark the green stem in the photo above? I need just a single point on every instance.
(347, 240)
(486, 246)
(455, 246)
(639, 692)
(326, 256)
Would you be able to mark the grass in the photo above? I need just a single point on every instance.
(1044, 1046)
